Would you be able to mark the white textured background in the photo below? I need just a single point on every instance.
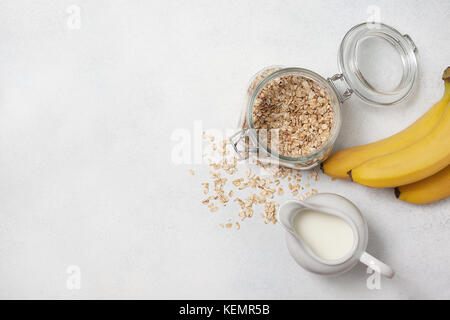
(86, 176)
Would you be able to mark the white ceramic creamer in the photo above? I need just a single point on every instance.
(327, 234)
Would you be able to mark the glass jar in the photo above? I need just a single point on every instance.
(376, 62)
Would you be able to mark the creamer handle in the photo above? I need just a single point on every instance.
(376, 265)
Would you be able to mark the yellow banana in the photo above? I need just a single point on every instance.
(413, 163)
(339, 163)
(434, 188)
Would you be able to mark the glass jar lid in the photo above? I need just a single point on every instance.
(378, 63)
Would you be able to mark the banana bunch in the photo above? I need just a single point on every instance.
(431, 189)
(415, 160)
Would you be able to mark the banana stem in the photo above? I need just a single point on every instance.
(397, 192)
(446, 75)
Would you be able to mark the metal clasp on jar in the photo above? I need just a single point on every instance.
(347, 93)
(236, 138)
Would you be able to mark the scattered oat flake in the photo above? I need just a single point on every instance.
(249, 192)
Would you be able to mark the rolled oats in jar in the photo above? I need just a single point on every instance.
(292, 115)
(296, 108)
(289, 118)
